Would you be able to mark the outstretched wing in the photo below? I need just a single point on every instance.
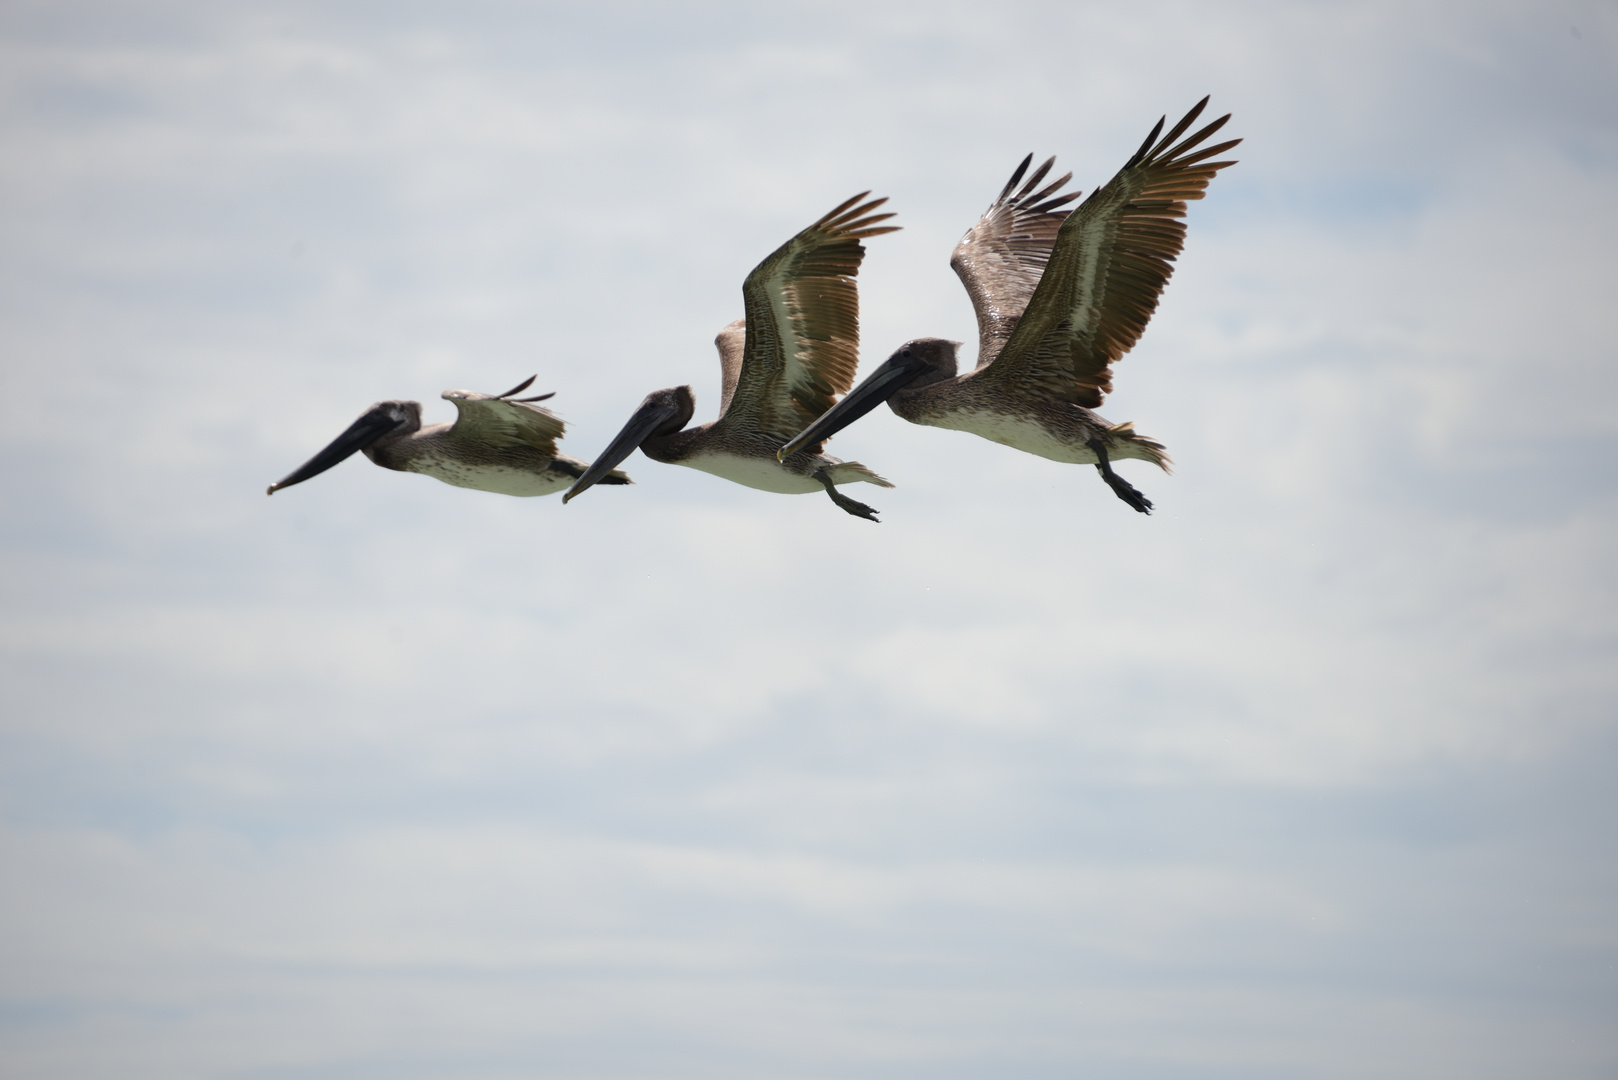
(1113, 256)
(803, 323)
(1001, 259)
(500, 421)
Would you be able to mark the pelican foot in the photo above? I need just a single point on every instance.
(852, 506)
(1120, 487)
(1126, 491)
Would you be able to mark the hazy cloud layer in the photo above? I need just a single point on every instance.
(1308, 774)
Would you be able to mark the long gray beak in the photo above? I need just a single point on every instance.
(360, 434)
(647, 419)
(880, 385)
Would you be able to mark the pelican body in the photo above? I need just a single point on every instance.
(781, 366)
(499, 443)
(1060, 296)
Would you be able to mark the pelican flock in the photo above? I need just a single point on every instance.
(1060, 295)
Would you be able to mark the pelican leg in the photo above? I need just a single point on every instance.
(1120, 487)
(858, 509)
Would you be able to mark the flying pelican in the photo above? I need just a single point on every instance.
(780, 367)
(1060, 296)
(505, 444)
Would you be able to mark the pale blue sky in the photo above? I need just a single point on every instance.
(1307, 775)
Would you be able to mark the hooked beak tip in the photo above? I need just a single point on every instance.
(271, 489)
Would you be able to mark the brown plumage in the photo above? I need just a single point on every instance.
(1060, 296)
(781, 366)
(498, 442)
(1001, 259)
(1111, 259)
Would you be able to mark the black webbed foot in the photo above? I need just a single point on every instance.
(852, 506)
(1126, 491)
(1120, 487)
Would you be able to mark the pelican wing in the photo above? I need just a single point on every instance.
(500, 421)
(732, 344)
(1113, 256)
(803, 323)
(1001, 259)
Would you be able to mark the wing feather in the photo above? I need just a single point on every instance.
(803, 323)
(1112, 257)
(500, 421)
(1001, 259)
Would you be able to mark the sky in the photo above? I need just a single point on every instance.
(1309, 774)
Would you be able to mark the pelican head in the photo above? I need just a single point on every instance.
(383, 421)
(661, 414)
(916, 364)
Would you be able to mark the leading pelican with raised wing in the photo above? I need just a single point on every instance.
(781, 366)
(1060, 296)
(500, 443)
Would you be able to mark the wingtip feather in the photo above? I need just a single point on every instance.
(838, 210)
(1151, 138)
(1179, 129)
(1015, 177)
(520, 387)
(1033, 181)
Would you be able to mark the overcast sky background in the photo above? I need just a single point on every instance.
(1309, 774)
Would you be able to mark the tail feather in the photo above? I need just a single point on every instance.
(849, 472)
(1139, 446)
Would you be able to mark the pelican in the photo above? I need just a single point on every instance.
(1060, 296)
(780, 367)
(504, 443)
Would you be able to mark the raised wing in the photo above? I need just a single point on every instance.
(1001, 259)
(504, 420)
(732, 344)
(803, 323)
(1113, 256)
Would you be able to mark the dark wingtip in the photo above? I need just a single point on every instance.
(1016, 176)
(1147, 145)
(829, 220)
(520, 387)
(1038, 175)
